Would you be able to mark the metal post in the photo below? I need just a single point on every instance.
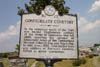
(26, 63)
(49, 62)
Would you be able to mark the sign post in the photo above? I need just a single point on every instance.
(49, 36)
(49, 62)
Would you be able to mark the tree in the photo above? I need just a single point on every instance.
(36, 6)
(17, 47)
(96, 45)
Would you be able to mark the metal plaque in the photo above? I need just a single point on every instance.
(49, 37)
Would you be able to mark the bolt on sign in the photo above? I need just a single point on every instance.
(49, 36)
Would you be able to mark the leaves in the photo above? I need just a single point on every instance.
(36, 6)
(17, 47)
(21, 12)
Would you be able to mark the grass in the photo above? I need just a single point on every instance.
(5, 62)
(68, 63)
(89, 63)
(30, 62)
(99, 59)
(63, 63)
(41, 64)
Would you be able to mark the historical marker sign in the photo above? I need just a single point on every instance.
(49, 36)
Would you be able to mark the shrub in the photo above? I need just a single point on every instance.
(83, 60)
(76, 63)
(79, 62)
(3, 55)
(91, 56)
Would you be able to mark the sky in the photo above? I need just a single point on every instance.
(88, 12)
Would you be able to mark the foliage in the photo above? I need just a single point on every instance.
(36, 6)
(79, 62)
(76, 63)
(41, 64)
(91, 56)
(83, 60)
(3, 55)
(17, 47)
(21, 11)
(5, 61)
(96, 45)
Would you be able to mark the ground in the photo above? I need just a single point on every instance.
(68, 63)
(5, 61)
(94, 62)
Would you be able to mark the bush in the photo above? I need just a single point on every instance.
(3, 55)
(79, 62)
(83, 60)
(76, 63)
(91, 56)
